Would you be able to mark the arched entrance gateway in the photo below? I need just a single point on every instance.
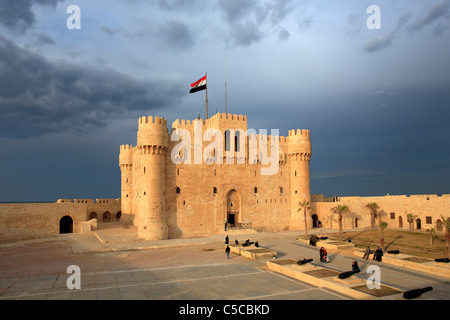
(66, 225)
(233, 207)
(315, 219)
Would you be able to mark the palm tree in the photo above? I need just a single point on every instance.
(431, 236)
(373, 207)
(383, 225)
(305, 206)
(446, 223)
(340, 209)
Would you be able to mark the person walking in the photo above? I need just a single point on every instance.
(367, 253)
(227, 250)
(227, 240)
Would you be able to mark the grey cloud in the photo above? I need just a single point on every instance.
(436, 12)
(250, 21)
(177, 34)
(245, 33)
(305, 23)
(18, 16)
(378, 42)
(108, 30)
(38, 96)
(42, 38)
(283, 34)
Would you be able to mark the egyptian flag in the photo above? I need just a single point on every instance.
(198, 85)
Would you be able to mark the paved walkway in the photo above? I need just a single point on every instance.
(221, 280)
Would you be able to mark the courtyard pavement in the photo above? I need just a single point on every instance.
(222, 280)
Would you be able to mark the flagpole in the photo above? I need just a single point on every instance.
(225, 84)
(206, 116)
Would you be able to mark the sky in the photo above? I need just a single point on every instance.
(377, 101)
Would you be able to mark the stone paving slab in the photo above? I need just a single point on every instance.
(222, 281)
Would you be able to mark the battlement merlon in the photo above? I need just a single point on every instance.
(153, 132)
(299, 142)
(126, 155)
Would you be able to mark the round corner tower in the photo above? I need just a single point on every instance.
(152, 143)
(126, 168)
(299, 154)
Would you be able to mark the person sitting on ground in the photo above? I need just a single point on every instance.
(355, 266)
(378, 254)
(321, 253)
(325, 256)
(313, 240)
(257, 244)
(236, 241)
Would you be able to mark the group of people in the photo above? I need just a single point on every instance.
(323, 255)
(376, 256)
(245, 244)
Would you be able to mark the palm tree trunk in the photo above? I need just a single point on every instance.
(447, 242)
(306, 223)
(382, 239)
(340, 227)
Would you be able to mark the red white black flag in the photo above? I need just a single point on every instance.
(198, 85)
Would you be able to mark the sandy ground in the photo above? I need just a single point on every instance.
(50, 258)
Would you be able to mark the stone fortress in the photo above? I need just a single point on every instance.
(164, 196)
(168, 200)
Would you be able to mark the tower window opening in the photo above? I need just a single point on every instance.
(177, 190)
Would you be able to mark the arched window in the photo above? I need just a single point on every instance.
(214, 190)
(237, 140)
(177, 190)
(281, 189)
(227, 140)
(255, 190)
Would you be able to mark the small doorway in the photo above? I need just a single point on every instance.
(400, 222)
(315, 220)
(419, 224)
(92, 215)
(118, 215)
(439, 225)
(106, 217)
(233, 208)
(356, 222)
(231, 219)
(66, 225)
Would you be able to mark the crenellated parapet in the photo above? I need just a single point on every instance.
(126, 156)
(299, 144)
(152, 132)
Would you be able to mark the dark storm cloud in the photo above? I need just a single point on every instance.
(437, 12)
(246, 19)
(38, 96)
(176, 34)
(17, 15)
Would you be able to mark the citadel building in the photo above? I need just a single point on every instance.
(166, 198)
